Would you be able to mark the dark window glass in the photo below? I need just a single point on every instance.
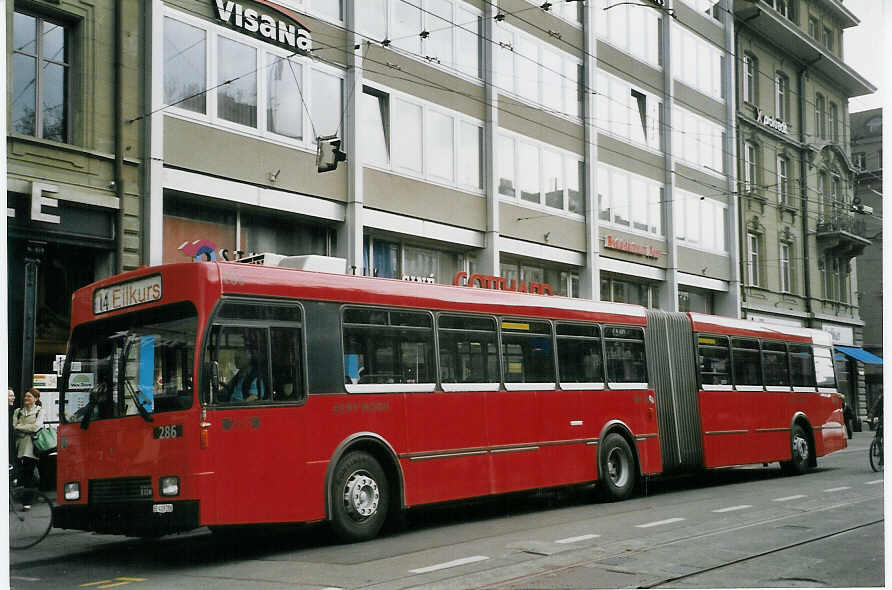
(802, 365)
(527, 351)
(624, 348)
(579, 354)
(714, 360)
(774, 360)
(287, 364)
(259, 311)
(383, 346)
(747, 362)
(468, 349)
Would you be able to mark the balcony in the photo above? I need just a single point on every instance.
(769, 23)
(842, 235)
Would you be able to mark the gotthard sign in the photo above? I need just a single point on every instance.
(282, 29)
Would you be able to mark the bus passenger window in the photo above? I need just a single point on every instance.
(468, 352)
(747, 363)
(824, 373)
(802, 366)
(527, 351)
(287, 364)
(388, 346)
(624, 348)
(715, 360)
(242, 356)
(579, 353)
(774, 359)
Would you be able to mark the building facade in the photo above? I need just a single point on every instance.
(73, 172)
(800, 234)
(867, 153)
(526, 142)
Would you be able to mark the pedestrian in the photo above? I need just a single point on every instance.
(27, 420)
(848, 416)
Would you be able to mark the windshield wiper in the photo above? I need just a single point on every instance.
(135, 397)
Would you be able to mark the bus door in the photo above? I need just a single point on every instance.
(256, 436)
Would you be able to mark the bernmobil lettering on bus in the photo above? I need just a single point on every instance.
(292, 35)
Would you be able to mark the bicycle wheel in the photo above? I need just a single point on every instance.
(876, 455)
(28, 527)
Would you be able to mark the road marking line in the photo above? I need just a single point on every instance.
(870, 483)
(658, 523)
(97, 583)
(788, 498)
(113, 585)
(839, 489)
(448, 564)
(24, 578)
(577, 539)
(733, 508)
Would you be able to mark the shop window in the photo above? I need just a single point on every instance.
(747, 362)
(579, 354)
(386, 347)
(802, 365)
(774, 363)
(714, 357)
(695, 300)
(41, 66)
(624, 349)
(527, 353)
(561, 281)
(468, 350)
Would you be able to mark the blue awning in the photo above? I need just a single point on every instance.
(859, 354)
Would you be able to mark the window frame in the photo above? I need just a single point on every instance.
(605, 339)
(727, 348)
(785, 253)
(580, 385)
(750, 67)
(750, 168)
(758, 351)
(526, 385)
(39, 75)
(783, 180)
(753, 259)
(781, 95)
(468, 386)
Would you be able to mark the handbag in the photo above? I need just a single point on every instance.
(44, 439)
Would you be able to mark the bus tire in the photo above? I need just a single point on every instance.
(800, 452)
(360, 497)
(616, 468)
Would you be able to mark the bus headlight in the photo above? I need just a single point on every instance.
(169, 485)
(72, 490)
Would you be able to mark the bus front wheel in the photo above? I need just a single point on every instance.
(360, 495)
(800, 451)
(616, 468)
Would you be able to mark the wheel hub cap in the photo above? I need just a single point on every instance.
(617, 468)
(361, 495)
(801, 447)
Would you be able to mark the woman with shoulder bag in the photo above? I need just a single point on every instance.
(26, 421)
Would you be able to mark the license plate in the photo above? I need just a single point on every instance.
(162, 508)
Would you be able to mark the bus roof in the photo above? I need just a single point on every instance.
(735, 327)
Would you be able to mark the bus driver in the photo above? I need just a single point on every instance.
(246, 385)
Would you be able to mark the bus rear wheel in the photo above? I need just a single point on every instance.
(360, 495)
(800, 451)
(616, 468)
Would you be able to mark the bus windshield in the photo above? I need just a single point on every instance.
(135, 364)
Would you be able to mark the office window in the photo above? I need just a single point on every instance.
(284, 110)
(753, 259)
(784, 266)
(781, 86)
(543, 174)
(750, 67)
(699, 62)
(507, 175)
(783, 184)
(628, 112)
(699, 221)
(375, 123)
(406, 142)
(326, 97)
(749, 166)
(820, 117)
(40, 71)
(697, 140)
(633, 29)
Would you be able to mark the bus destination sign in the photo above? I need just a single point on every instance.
(138, 292)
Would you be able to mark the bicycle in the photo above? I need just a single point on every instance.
(876, 449)
(30, 515)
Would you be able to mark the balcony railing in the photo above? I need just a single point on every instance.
(842, 234)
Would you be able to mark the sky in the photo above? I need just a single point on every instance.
(864, 49)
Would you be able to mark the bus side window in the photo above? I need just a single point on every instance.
(747, 362)
(715, 360)
(774, 360)
(287, 364)
(802, 365)
(527, 351)
(468, 352)
(579, 353)
(624, 348)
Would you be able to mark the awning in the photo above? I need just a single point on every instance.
(859, 354)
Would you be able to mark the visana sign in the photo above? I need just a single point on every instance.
(771, 122)
(291, 35)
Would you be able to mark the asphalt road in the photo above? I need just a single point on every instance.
(741, 527)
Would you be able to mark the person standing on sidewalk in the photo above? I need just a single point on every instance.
(847, 416)
(27, 420)
(10, 429)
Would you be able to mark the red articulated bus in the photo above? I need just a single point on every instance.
(215, 394)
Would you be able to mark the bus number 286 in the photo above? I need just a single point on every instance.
(168, 431)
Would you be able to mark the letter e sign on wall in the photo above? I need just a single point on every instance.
(38, 202)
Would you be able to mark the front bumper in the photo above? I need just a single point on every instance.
(135, 519)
